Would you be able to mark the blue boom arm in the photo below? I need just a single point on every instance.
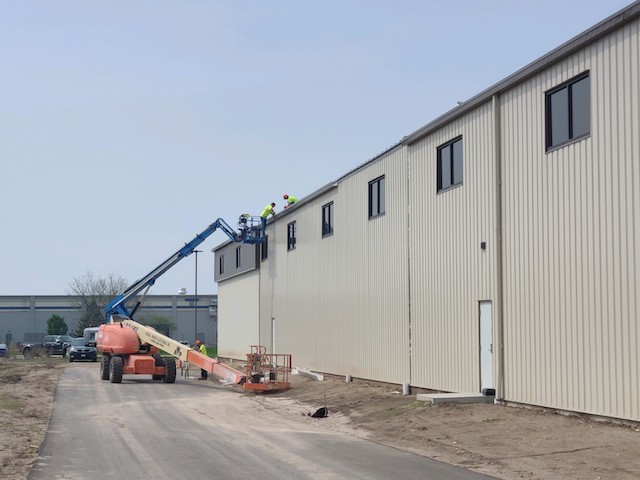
(118, 304)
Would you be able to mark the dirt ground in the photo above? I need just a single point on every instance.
(506, 442)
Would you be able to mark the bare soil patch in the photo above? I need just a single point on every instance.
(506, 442)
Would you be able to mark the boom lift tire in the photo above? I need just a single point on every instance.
(116, 367)
(170, 364)
(104, 366)
(159, 363)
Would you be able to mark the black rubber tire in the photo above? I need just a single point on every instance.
(104, 367)
(70, 359)
(159, 363)
(116, 366)
(27, 353)
(170, 364)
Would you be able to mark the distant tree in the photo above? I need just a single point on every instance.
(162, 324)
(56, 325)
(91, 294)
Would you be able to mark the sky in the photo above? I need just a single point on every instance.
(127, 127)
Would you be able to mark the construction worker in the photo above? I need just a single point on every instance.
(203, 350)
(268, 210)
(290, 199)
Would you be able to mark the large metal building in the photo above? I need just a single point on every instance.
(493, 248)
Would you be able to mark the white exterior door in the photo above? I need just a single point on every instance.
(486, 346)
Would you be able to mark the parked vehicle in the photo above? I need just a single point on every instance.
(79, 350)
(3, 350)
(51, 345)
(90, 336)
(57, 344)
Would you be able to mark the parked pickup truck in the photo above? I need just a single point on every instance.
(51, 345)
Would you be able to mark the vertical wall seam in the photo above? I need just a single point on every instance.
(497, 147)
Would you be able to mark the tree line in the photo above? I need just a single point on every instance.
(91, 294)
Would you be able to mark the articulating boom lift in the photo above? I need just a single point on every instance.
(131, 348)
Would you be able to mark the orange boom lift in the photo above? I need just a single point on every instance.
(131, 348)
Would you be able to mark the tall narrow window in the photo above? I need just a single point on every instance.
(327, 219)
(264, 248)
(238, 257)
(291, 236)
(376, 197)
(568, 111)
(450, 164)
(221, 264)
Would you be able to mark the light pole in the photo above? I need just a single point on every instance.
(195, 302)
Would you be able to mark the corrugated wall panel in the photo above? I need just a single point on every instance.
(340, 303)
(571, 221)
(450, 274)
(238, 315)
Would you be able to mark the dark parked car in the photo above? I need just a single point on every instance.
(57, 344)
(79, 350)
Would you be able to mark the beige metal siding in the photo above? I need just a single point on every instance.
(238, 310)
(340, 303)
(572, 226)
(450, 273)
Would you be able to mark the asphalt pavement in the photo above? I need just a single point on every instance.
(143, 429)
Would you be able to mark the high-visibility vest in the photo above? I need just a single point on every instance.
(267, 210)
(291, 200)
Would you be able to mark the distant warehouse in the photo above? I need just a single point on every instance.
(23, 318)
(494, 248)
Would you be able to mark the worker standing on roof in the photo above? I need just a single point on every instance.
(290, 199)
(203, 350)
(268, 210)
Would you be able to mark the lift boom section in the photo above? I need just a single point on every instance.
(250, 231)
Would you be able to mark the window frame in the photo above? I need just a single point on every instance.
(571, 124)
(221, 265)
(327, 208)
(378, 187)
(451, 162)
(291, 236)
(238, 257)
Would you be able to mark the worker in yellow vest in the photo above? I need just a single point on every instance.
(290, 199)
(268, 210)
(203, 350)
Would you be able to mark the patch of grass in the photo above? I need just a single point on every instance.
(10, 403)
(492, 420)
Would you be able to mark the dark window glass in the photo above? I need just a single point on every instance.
(264, 248)
(221, 264)
(580, 107)
(450, 164)
(444, 163)
(327, 219)
(291, 236)
(457, 163)
(568, 111)
(376, 197)
(560, 117)
(238, 257)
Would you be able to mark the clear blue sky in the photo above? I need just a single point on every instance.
(128, 126)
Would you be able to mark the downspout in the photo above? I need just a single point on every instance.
(406, 387)
(500, 384)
